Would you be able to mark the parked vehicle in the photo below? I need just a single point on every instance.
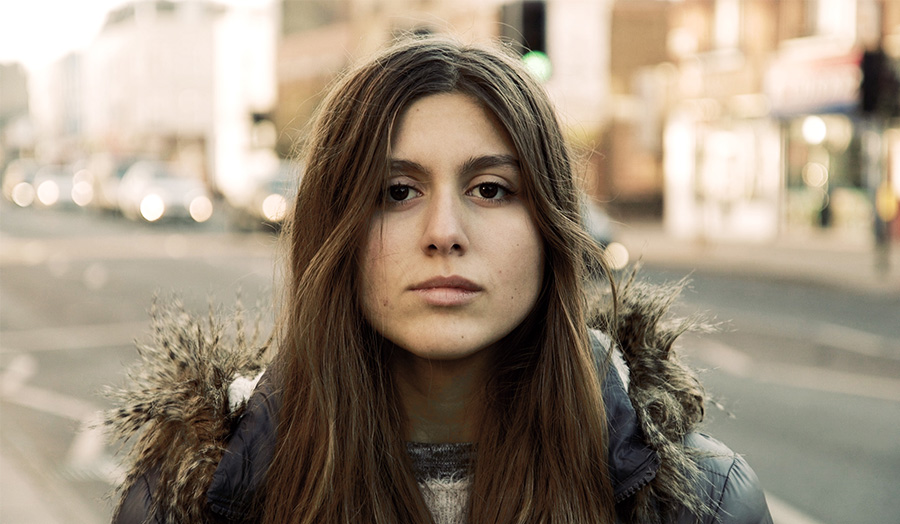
(598, 224)
(153, 190)
(106, 173)
(18, 181)
(601, 228)
(54, 186)
(267, 201)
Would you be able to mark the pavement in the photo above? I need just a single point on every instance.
(814, 258)
(825, 258)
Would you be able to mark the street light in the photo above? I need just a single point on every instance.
(814, 130)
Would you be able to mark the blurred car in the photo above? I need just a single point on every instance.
(601, 228)
(266, 201)
(106, 172)
(152, 191)
(18, 181)
(54, 186)
(598, 224)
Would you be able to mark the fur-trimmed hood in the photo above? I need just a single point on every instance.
(188, 402)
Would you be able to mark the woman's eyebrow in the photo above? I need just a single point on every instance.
(407, 166)
(479, 163)
(472, 165)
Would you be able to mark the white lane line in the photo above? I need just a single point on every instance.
(87, 457)
(13, 389)
(826, 334)
(17, 373)
(51, 402)
(784, 513)
(18, 251)
(73, 337)
(857, 341)
(738, 363)
(56, 499)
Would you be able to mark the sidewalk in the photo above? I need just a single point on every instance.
(817, 258)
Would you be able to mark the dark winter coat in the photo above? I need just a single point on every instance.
(203, 448)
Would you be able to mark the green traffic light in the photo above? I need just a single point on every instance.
(539, 64)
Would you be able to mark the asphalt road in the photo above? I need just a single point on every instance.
(809, 376)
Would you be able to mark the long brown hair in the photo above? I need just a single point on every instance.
(340, 455)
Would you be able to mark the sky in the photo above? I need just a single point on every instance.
(36, 32)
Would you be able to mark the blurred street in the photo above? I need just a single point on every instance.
(76, 289)
(809, 367)
(142, 143)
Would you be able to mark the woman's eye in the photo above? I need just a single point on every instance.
(399, 193)
(490, 191)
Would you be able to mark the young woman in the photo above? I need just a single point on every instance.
(435, 360)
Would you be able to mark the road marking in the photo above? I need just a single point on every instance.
(738, 363)
(56, 498)
(784, 513)
(19, 251)
(14, 389)
(87, 457)
(856, 341)
(73, 337)
(17, 373)
(826, 334)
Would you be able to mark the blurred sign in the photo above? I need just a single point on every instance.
(802, 85)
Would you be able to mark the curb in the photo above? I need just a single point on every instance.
(830, 261)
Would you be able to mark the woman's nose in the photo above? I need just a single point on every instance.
(445, 230)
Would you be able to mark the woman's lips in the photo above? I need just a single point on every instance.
(447, 291)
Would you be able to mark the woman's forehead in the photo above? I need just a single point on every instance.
(454, 108)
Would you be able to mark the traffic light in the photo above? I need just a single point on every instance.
(524, 24)
(879, 90)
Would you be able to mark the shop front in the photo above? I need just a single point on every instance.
(722, 157)
(830, 172)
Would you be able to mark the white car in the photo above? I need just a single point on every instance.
(54, 186)
(267, 200)
(153, 190)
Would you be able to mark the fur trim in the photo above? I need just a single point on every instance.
(667, 396)
(176, 403)
(177, 408)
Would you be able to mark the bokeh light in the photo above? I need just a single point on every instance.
(152, 207)
(274, 207)
(23, 194)
(814, 130)
(616, 255)
(48, 192)
(815, 174)
(201, 209)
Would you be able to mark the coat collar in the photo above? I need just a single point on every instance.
(632, 464)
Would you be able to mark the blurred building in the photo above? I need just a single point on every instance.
(728, 119)
(740, 119)
(149, 78)
(321, 37)
(16, 130)
(191, 81)
(58, 110)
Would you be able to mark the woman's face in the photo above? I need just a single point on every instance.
(453, 260)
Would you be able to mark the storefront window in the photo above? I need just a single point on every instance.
(825, 188)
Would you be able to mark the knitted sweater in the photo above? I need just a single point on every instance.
(440, 470)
